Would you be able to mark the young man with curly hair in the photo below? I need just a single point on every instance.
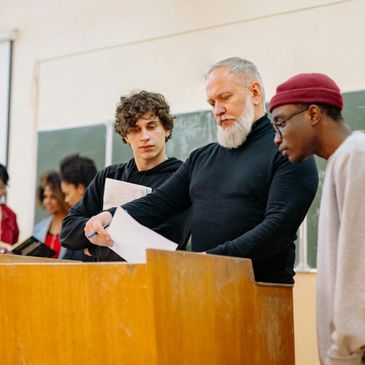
(143, 120)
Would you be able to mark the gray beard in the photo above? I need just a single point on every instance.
(235, 135)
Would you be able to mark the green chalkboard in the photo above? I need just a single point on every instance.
(121, 152)
(54, 145)
(191, 131)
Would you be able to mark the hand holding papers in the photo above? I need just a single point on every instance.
(131, 239)
(95, 229)
(116, 193)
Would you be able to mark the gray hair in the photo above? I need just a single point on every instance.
(237, 65)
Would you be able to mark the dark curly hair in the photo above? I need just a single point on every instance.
(134, 106)
(53, 181)
(76, 169)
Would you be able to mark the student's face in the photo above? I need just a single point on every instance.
(294, 134)
(147, 139)
(50, 202)
(227, 97)
(73, 193)
(2, 188)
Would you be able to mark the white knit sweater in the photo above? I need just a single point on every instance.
(341, 256)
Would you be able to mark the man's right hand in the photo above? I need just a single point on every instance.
(97, 224)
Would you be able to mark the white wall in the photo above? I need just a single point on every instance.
(73, 59)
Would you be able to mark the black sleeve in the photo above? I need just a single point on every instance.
(169, 199)
(72, 232)
(291, 193)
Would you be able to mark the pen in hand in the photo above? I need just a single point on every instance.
(95, 233)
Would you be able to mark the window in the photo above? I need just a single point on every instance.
(6, 41)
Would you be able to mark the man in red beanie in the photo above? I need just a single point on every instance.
(306, 112)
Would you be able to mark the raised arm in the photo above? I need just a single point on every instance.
(168, 200)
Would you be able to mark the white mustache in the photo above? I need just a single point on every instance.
(222, 118)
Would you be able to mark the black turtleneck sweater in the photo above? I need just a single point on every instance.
(177, 229)
(246, 202)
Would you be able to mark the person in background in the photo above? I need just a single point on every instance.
(247, 200)
(76, 173)
(143, 120)
(9, 231)
(53, 201)
(306, 112)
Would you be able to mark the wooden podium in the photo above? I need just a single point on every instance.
(179, 308)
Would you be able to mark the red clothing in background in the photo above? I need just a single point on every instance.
(53, 242)
(9, 231)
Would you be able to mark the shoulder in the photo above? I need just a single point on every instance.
(355, 143)
(112, 170)
(7, 212)
(207, 149)
(45, 222)
(41, 228)
(115, 172)
(350, 153)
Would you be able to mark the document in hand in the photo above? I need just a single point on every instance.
(118, 192)
(131, 239)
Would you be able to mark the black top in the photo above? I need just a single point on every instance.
(72, 234)
(247, 202)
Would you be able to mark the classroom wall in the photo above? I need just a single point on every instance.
(73, 59)
(304, 300)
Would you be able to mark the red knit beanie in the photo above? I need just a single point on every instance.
(308, 88)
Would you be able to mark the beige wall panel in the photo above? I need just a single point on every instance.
(84, 88)
(305, 319)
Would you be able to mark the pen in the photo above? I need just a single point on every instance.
(95, 233)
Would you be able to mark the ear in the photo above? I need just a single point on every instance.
(315, 114)
(80, 189)
(126, 138)
(256, 93)
(167, 133)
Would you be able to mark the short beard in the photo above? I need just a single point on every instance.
(235, 135)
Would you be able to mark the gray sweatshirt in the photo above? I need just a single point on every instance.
(341, 257)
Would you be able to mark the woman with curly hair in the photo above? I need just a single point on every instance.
(50, 196)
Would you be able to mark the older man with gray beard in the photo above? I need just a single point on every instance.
(247, 199)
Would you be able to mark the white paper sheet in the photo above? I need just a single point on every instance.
(118, 192)
(131, 239)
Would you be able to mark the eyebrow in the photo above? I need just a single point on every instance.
(152, 121)
(277, 118)
(220, 95)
